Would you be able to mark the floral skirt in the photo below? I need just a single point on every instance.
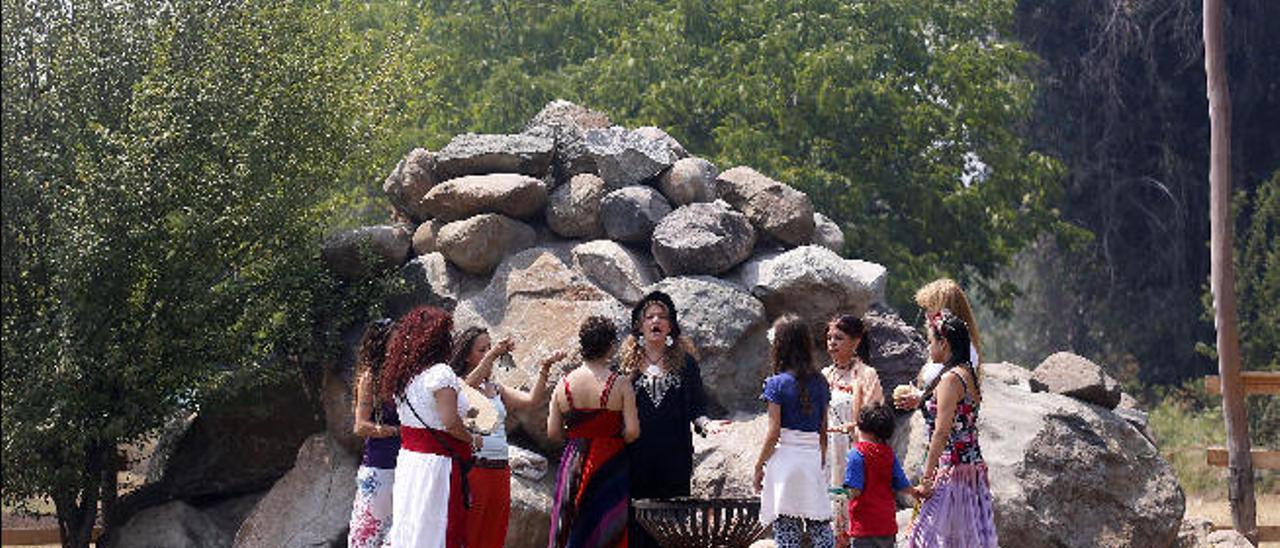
(960, 511)
(371, 511)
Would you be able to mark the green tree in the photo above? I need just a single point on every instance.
(168, 172)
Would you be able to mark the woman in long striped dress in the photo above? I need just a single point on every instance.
(429, 498)
(589, 508)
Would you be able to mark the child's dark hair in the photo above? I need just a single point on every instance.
(596, 336)
(877, 420)
(793, 351)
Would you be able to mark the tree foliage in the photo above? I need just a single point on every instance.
(168, 171)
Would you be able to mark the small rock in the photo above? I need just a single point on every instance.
(424, 237)
(702, 238)
(657, 134)
(573, 210)
(1071, 375)
(689, 180)
(625, 158)
(827, 233)
(412, 178)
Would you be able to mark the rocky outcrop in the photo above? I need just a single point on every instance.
(530, 521)
(365, 251)
(1075, 376)
(477, 244)
(540, 299)
(411, 179)
(1066, 473)
(777, 210)
(702, 239)
(474, 154)
(630, 214)
(517, 196)
(178, 523)
(813, 282)
(311, 506)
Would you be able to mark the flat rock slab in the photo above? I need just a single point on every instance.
(516, 196)
(477, 154)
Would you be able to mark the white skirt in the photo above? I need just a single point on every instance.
(794, 483)
(420, 500)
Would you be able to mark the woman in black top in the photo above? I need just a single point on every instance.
(669, 398)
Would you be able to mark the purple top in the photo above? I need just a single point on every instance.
(381, 452)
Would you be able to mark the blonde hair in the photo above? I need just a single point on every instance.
(946, 293)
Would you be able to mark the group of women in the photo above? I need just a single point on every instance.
(628, 429)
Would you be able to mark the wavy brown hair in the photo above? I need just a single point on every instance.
(462, 344)
(632, 362)
(371, 355)
(793, 352)
(420, 340)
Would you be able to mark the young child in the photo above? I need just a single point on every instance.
(871, 475)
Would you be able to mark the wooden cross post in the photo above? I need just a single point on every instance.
(1222, 276)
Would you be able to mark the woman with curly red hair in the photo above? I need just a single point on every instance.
(429, 497)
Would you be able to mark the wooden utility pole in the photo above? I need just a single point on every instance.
(1222, 276)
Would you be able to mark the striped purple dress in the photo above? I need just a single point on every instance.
(960, 511)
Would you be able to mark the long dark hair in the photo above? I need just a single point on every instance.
(419, 340)
(793, 352)
(462, 344)
(371, 355)
(855, 328)
(949, 327)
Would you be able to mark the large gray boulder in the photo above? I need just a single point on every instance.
(1072, 375)
(624, 157)
(530, 521)
(178, 523)
(365, 251)
(702, 239)
(898, 351)
(728, 328)
(478, 244)
(688, 181)
(573, 210)
(411, 179)
(539, 298)
(657, 134)
(812, 282)
(724, 463)
(510, 194)
(629, 214)
(566, 124)
(1066, 473)
(311, 505)
(777, 210)
(476, 154)
(619, 271)
(827, 233)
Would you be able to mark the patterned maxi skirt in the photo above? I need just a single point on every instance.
(589, 508)
(959, 513)
(371, 511)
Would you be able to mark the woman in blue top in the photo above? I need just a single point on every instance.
(793, 488)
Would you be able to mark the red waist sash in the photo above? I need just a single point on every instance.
(436, 442)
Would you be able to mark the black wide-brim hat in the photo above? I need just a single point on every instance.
(655, 297)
